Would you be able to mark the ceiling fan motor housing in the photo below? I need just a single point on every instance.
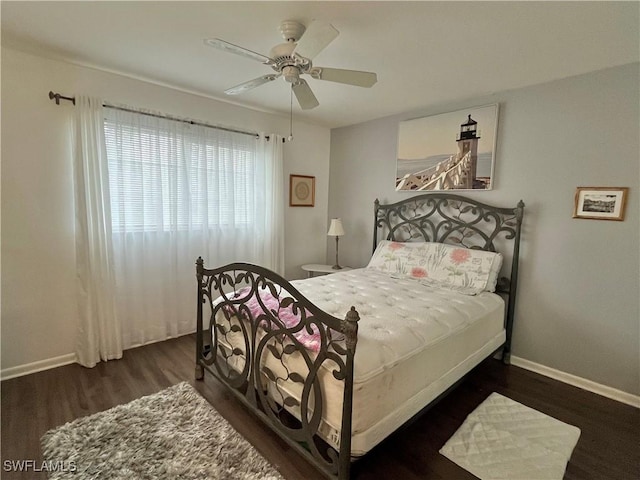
(286, 62)
(283, 53)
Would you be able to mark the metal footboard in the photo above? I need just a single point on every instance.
(276, 351)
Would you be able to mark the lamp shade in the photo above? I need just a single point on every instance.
(336, 229)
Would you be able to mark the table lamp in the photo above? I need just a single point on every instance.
(336, 230)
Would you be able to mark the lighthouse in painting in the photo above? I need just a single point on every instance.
(428, 158)
(468, 143)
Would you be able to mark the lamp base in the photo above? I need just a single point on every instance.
(337, 265)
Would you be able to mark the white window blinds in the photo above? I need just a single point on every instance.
(166, 175)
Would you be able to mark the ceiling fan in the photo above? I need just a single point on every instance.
(293, 59)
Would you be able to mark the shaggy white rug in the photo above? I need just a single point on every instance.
(503, 439)
(172, 434)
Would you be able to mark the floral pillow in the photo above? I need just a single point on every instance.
(464, 270)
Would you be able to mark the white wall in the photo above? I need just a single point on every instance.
(578, 305)
(38, 263)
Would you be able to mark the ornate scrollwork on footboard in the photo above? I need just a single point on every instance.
(280, 354)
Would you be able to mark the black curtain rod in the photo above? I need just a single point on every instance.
(57, 97)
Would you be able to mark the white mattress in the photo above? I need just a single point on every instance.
(413, 343)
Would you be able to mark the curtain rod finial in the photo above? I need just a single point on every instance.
(54, 95)
(57, 97)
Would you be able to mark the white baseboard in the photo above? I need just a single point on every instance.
(67, 359)
(605, 391)
(38, 366)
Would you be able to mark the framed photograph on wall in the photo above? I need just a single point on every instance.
(302, 191)
(450, 151)
(601, 203)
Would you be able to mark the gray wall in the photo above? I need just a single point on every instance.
(578, 306)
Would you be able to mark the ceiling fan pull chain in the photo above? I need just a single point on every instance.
(290, 137)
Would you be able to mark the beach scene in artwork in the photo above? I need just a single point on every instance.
(448, 151)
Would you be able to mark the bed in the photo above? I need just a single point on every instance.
(334, 364)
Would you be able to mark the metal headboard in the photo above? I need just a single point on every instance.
(457, 220)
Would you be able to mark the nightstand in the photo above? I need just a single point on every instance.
(314, 268)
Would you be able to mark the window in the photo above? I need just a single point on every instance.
(166, 175)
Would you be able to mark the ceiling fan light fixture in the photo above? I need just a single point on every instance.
(291, 74)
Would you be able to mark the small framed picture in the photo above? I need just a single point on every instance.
(601, 203)
(302, 191)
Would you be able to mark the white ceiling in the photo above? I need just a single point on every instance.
(425, 53)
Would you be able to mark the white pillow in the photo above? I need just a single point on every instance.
(464, 270)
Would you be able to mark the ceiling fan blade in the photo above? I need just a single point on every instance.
(231, 48)
(315, 39)
(350, 77)
(304, 95)
(256, 82)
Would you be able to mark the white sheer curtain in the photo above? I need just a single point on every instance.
(271, 217)
(180, 191)
(99, 336)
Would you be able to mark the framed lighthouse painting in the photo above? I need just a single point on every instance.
(450, 151)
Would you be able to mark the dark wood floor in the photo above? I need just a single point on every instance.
(609, 447)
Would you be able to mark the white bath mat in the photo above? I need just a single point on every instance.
(503, 439)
